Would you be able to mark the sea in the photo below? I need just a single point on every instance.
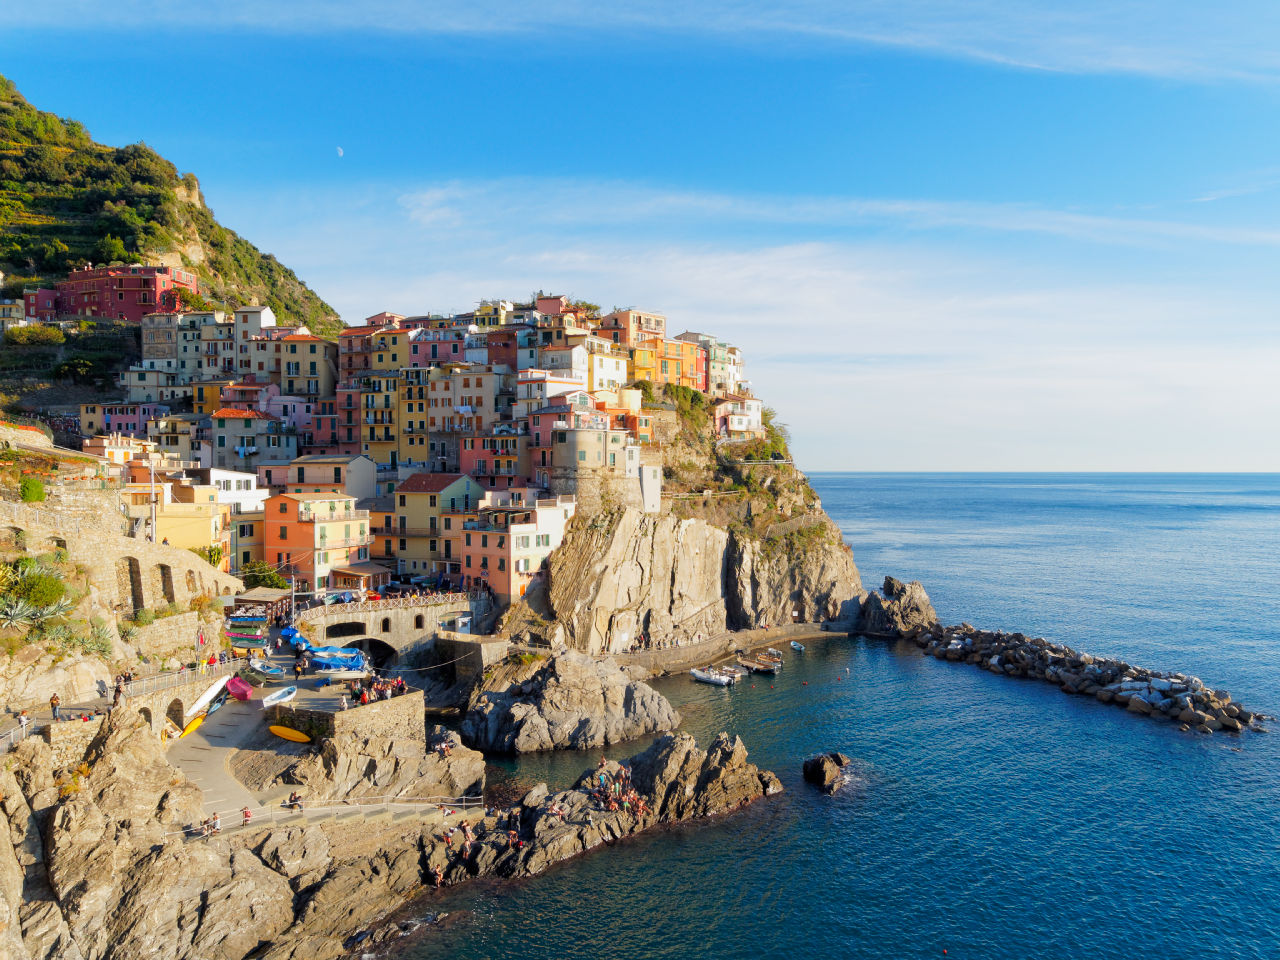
(983, 817)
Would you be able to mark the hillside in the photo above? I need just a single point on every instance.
(66, 200)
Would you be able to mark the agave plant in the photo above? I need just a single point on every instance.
(59, 608)
(16, 612)
(61, 634)
(8, 577)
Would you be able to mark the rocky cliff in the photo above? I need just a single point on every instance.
(95, 865)
(571, 702)
(622, 574)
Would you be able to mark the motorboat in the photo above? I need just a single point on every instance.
(279, 697)
(797, 646)
(713, 676)
(734, 670)
(342, 673)
(760, 666)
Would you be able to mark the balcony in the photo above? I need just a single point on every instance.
(333, 517)
(243, 452)
(405, 532)
(333, 543)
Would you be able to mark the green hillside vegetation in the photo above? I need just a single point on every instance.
(66, 201)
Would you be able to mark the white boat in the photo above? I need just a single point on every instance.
(734, 671)
(797, 646)
(713, 676)
(205, 698)
(264, 669)
(279, 697)
(776, 653)
(336, 674)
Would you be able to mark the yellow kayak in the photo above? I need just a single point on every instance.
(190, 727)
(288, 733)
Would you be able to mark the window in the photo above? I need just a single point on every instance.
(284, 507)
(502, 563)
(284, 533)
(582, 456)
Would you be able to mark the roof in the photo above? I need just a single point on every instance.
(263, 595)
(231, 413)
(430, 482)
(308, 497)
(366, 568)
(302, 336)
(329, 458)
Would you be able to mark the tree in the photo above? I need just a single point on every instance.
(78, 370)
(31, 489)
(257, 573)
(109, 249)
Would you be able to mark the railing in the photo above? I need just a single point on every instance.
(337, 515)
(338, 542)
(405, 532)
(392, 603)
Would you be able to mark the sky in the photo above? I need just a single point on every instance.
(948, 236)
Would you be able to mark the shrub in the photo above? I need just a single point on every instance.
(143, 617)
(32, 489)
(40, 589)
(34, 336)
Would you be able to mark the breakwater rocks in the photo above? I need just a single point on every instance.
(570, 702)
(1162, 696)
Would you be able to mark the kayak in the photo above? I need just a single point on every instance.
(288, 733)
(192, 726)
(218, 701)
(206, 698)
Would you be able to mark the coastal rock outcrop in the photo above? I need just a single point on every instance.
(903, 608)
(823, 771)
(621, 574)
(573, 702)
(349, 767)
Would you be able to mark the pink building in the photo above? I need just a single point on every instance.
(120, 293)
(499, 462)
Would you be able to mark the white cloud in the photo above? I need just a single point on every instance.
(1182, 38)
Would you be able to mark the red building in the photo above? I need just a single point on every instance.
(119, 293)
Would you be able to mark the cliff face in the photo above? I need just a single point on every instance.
(619, 575)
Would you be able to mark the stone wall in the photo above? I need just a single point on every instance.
(470, 654)
(407, 626)
(400, 718)
(171, 636)
(69, 740)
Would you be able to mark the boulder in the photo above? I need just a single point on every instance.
(573, 702)
(823, 771)
(354, 766)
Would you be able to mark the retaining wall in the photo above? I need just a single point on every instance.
(400, 718)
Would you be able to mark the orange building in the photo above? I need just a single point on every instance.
(321, 541)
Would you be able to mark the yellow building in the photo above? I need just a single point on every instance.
(247, 539)
(416, 537)
(206, 395)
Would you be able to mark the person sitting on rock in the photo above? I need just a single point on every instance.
(295, 801)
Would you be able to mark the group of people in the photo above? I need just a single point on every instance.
(644, 642)
(616, 792)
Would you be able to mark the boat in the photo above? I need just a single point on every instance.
(192, 726)
(245, 636)
(246, 618)
(797, 646)
(205, 698)
(713, 676)
(264, 669)
(774, 653)
(760, 666)
(734, 670)
(342, 673)
(280, 696)
(239, 688)
(288, 733)
(218, 701)
(773, 658)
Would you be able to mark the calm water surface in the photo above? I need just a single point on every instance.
(987, 817)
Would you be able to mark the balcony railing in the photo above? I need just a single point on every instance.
(333, 517)
(332, 543)
(405, 532)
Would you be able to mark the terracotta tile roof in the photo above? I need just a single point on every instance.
(429, 482)
(230, 413)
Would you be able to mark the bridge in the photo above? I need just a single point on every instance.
(393, 630)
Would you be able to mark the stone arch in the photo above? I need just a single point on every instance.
(129, 583)
(380, 653)
(18, 537)
(351, 628)
(145, 713)
(386, 624)
(166, 582)
(57, 543)
(191, 582)
(419, 621)
(174, 712)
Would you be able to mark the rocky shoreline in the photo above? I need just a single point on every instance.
(905, 612)
(102, 867)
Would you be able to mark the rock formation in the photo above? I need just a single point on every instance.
(98, 866)
(905, 607)
(625, 573)
(349, 767)
(572, 702)
(823, 771)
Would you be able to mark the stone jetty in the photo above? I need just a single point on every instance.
(1174, 697)
(905, 611)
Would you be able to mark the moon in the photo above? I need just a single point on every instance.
(339, 151)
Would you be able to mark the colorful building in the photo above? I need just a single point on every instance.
(321, 542)
(628, 328)
(420, 522)
(121, 293)
(505, 546)
(130, 418)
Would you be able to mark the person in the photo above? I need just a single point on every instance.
(216, 825)
(246, 815)
(55, 702)
(165, 541)
(439, 876)
(295, 801)
(24, 721)
(297, 670)
(344, 701)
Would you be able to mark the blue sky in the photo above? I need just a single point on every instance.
(949, 236)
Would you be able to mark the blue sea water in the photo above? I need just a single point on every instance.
(986, 817)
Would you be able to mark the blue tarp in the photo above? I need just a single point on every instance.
(331, 658)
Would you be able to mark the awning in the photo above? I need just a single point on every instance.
(365, 569)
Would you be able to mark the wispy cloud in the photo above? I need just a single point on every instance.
(1174, 38)
(549, 203)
